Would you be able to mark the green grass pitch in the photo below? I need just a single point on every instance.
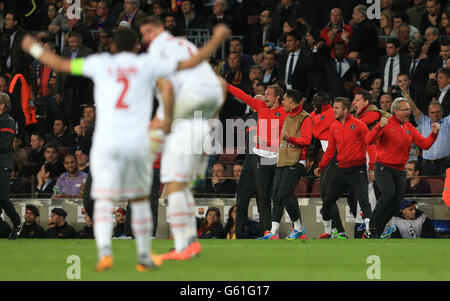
(237, 260)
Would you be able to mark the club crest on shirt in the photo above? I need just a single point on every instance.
(408, 132)
(277, 114)
(352, 127)
(322, 118)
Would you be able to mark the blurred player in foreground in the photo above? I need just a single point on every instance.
(121, 165)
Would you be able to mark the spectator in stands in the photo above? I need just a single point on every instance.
(104, 19)
(82, 161)
(105, 41)
(219, 15)
(400, 18)
(269, 64)
(160, 9)
(445, 23)
(391, 65)
(363, 79)
(121, 218)
(58, 225)
(89, 114)
(312, 39)
(236, 46)
(51, 157)
(432, 15)
(403, 86)
(432, 46)
(189, 18)
(77, 24)
(255, 72)
(52, 12)
(411, 222)
(365, 38)
(386, 102)
(88, 230)
(236, 75)
(12, 56)
(294, 65)
(260, 34)
(436, 159)
(44, 83)
(46, 180)
(287, 10)
(74, 90)
(437, 88)
(333, 31)
(404, 38)
(218, 186)
(131, 13)
(387, 24)
(440, 61)
(60, 136)
(211, 227)
(36, 155)
(170, 24)
(415, 185)
(230, 227)
(375, 88)
(340, 73)
(237, 170)
(30, 229)
(4, 83)
(69, 183)
(419, 70)
(59, 24)
(416, 12)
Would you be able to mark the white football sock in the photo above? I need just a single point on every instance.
(367, 221)
(275, 228)
(103, 226)
(179, 213)
(192, 226)
(142, 226)
(327, 226)
(298, 225)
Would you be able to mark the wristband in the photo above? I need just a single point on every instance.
(36, 50)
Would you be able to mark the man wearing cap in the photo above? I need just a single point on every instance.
(58, 226)
(30, 228)
(411, 222)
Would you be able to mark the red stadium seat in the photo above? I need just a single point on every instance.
(315, 189)
(301, 190)
(436, 185)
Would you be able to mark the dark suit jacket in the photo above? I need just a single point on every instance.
(335, 83)
(436, 63)
(293, 12)
(19, 59)
(404, 66)
(48, 191)
(432, 90)
(419, 80)
(197, 23)
(365, 41)
(300, 76)
(213, 21)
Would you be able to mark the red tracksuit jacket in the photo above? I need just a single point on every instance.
(369, 117)
(272, 120)
(393, 142)
(322, 122)
(348, 140)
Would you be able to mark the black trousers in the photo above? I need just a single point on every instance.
(392, 183)
(355, 177)
(256, 179)
(325, 178)
(5, 202)
(286, 179)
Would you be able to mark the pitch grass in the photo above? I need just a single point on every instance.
(238, 260)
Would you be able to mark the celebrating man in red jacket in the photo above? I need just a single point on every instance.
(393, 138)
(347, 139)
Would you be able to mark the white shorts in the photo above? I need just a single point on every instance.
(118, 174)
(206, 96)
(183, 157)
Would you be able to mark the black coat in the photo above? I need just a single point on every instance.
(300, 76)
(404, 66)
(335, 83)
(280, 16)
(32, 231)
(215, 231)
(365, 41)
(65, 231)
(432, 90)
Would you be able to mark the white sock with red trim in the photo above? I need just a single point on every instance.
(103, 226)
(179, 213)
(192, 227)
(142, 224)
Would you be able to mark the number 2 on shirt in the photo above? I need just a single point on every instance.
(120, 104)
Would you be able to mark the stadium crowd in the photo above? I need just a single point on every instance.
(322, 51)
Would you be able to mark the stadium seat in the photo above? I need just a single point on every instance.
(315, 189)
(301, 190)
(436, 185)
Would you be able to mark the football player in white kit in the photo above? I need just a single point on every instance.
(120, 161)
(197, 90)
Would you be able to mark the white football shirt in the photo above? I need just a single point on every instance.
(123, 93)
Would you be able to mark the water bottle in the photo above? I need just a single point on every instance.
(56, 190)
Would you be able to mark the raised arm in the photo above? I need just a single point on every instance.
(220, 35)
(55, 62)
(414, 108)
(241, 95)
